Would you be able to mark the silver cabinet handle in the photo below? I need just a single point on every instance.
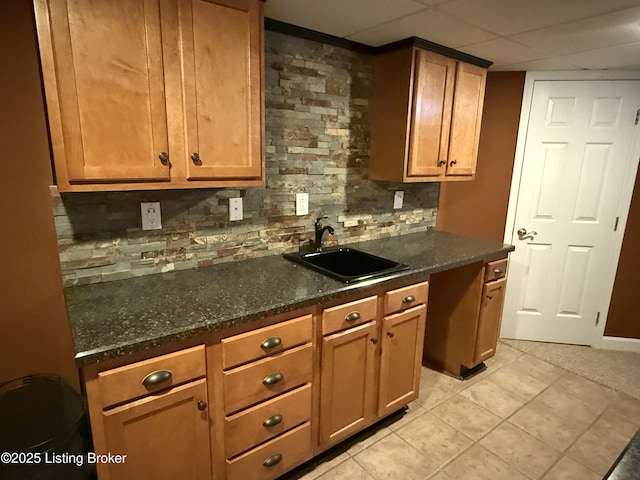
(273, 379)
(272, 421)
(352, 317)
(156, 378)
(271, 342)
(272, 460)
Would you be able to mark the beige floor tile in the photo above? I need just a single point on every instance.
(478, 463)
(568, 406)
(520, 450)
(348, 470)
(436, 387)
(537, 368)
(440, 476)
(613, 424)
(591, 392)
(596, 452)
(392, 458)
(539, 420)
(567, 469)
(466, 416)
(413, 411)
(438, 441)
(627, 406)
(365, 439)
(493, 397)
(504, 354)
(318, 466)
(518, 382)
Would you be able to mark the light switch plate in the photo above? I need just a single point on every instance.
(235, 209)
(151, 218)
(398, 197)
(302, 203)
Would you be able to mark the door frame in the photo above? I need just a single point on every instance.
(598, 340)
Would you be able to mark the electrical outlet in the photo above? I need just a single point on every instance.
(151, 218)
(235, 209)
(302, 203)
(398, 197)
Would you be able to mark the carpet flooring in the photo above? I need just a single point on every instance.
(614, 369)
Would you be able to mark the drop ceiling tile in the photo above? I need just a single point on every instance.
(339, 17)
(503, 51)
(507, 17)
(621, 57)
(543, 64)
(430, 24)
(596, 32)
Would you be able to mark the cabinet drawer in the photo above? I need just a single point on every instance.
(265, 341)
(248, 428)
(266, 378)
(140, 379)
(396, 300)
(495, 270)
(349, 314)
(283, 452)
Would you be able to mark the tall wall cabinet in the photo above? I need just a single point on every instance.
(148, 94)
(427, 111)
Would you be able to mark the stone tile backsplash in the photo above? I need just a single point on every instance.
(317, 141)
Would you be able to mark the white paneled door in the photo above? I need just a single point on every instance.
(576, 156)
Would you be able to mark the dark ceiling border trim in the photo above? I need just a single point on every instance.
(306, 33)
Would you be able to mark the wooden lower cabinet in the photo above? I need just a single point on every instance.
(462, 326)
(489, 319)
(400, 359)
(256, 404)
(164, 436)
(347, 382)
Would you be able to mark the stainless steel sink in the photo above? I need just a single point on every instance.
(347, 264)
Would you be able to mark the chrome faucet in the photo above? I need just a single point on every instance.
(320, 229)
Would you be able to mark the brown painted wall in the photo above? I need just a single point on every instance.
(34, 333)
(623, 320)
(479, 208)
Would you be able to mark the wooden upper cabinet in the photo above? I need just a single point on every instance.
(105, 89)
(466, 119)
(427, 111)
(222, 75)
(431, 115)
(134, 88)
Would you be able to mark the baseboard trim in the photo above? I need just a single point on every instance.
(620, 343)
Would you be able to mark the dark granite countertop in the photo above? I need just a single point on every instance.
(118, 318)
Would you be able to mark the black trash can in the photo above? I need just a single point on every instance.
(44, 430)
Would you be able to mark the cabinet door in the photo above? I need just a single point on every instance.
(401, 358)
(103, 75)
(347, 383)
(431, 115)
(222, 50)
(489, 320)
(164, 436)
(466, 118)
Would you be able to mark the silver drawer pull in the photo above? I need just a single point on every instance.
(409, 299)
(498, 271)
(272, 421)
(273, 379)
(156, 378)
(352, 317)
(271, 342)
(272, 460)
